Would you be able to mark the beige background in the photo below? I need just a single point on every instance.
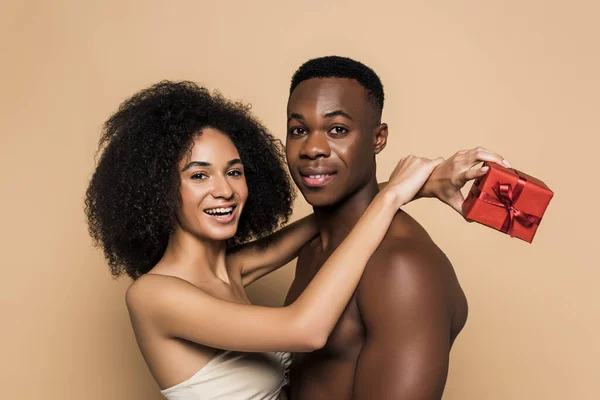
(519, 77)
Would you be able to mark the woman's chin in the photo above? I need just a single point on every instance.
(222, 234)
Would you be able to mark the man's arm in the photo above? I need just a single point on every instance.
(404, 303)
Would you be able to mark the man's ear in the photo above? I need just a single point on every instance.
(380, 137)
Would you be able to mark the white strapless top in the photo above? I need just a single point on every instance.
(236, 376)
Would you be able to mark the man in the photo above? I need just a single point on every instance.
(394, 338)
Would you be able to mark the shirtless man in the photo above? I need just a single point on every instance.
(393, 339)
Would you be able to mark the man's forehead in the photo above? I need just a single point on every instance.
(331, 93)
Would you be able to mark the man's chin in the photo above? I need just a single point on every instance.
(320, 199)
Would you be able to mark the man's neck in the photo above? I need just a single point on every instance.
(336, 221)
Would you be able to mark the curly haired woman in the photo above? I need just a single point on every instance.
(186, 199)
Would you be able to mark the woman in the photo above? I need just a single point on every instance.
(185, 181)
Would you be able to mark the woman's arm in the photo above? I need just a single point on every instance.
(175, 308)
(447, 180)
(260, 257)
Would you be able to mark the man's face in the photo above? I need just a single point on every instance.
(333, 134)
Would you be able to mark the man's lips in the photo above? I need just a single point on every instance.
(317, 177)
(319, 181)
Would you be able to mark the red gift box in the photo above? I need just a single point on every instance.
(509, 201)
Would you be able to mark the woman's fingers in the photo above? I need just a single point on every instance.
(473, 173)
(410, 175)
(436, 161)
(481, 154)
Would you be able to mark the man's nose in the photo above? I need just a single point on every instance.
(315, 146)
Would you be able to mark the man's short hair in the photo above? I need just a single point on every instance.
(342, 67)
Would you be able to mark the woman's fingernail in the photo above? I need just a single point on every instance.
(509, 165)
(484, 169)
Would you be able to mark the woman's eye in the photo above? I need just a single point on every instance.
(338, 130)
(297, 131)
(235, 172)
(199, 176)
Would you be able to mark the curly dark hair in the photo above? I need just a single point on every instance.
(133, 195)
(342, 67)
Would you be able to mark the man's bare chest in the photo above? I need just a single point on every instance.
(348, 334)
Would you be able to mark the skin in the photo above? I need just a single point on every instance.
(395, 334)
(194, 302)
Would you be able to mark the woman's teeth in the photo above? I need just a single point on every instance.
(318, 176)
(219, 211)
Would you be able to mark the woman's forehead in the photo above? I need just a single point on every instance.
(213, 146)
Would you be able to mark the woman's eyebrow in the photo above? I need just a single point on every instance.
(196, 164)
(207, 164)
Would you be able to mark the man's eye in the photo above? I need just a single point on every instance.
(199, 176)
(338, 130)
(297, 131)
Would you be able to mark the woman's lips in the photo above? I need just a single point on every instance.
(223, 218)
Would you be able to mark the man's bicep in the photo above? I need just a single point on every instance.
(407, 322)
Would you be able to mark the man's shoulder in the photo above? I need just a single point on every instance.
(407, 245)
(408, 260)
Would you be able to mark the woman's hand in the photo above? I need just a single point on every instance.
(408, 178)
(450, 177)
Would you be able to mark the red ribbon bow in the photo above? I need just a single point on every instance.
(506, 197)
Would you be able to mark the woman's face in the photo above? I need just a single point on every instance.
(213, 187)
